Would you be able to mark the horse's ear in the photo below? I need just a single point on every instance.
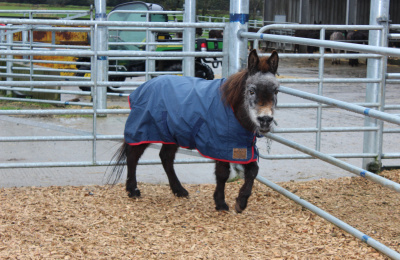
(252, 62)
(272, 62)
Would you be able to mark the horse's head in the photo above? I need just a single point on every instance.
(261, 89)
(252, 92)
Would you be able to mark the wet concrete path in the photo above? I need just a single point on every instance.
(275, 170)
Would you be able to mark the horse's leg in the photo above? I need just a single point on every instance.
(133, 154)
(250, 173)
(222, 171)
(167, 155)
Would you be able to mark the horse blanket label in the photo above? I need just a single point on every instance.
(189, 112)
(239, 153)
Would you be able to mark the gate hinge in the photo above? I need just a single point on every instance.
(383, 19)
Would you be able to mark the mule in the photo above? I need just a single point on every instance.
(220, 118)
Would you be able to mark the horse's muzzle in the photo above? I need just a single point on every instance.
(265, 124)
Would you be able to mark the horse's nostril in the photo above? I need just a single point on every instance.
(264, 120)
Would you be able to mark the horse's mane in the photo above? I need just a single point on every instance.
(232, 89)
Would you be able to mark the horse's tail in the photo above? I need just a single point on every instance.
(118, 168)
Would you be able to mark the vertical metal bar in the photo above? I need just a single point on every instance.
(92, 58)
(9, 63)
(150, 63)
(25, 40)
(225, 49)
(150, 37)
(53, 40)
(238, 17)
(379, 15)
(382, 96)
(147, 40)
(381, 108)
(189, 37)
(102, 61)
(94, 68)
(2, 36)
(147, 65)
(31, 56)
(320, 92)
(101, 69)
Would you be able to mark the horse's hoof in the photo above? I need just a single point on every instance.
(223, 207)
(134, 194)
(182, 193)
(238, 209)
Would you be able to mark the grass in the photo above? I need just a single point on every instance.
(27, 7)
(9, 108)
(35, 7)
(18, 105)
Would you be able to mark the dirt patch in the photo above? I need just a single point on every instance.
(99, 222)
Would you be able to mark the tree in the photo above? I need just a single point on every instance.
(256, 5)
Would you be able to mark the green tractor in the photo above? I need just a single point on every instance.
(133, 40)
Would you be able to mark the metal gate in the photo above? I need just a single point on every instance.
(31, 68)
(374, 108)
(235, 51)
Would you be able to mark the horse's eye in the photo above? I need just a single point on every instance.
(251, 92)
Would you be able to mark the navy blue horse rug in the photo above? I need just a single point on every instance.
(191, 113)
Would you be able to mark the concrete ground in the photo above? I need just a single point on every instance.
(274, 170)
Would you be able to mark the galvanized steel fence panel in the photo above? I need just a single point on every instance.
(13, 53)
(29, 49)
(370, 52)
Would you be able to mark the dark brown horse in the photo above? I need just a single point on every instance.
(250, 95)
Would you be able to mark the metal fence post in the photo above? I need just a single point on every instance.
(101, 42)
(320, 92)
(237, 46)
(239, 18)
(9, 63)
(189, 37)
(379, 15)
(150, 63)
(225, 46)
(53, 40)
(25, 40)
(2, 36)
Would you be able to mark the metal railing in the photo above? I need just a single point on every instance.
(369, 52)
(374, 109)
(219, 19)
(21, 74)
(34, 49)
(30, 49)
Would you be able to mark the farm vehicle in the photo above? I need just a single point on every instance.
(134, 40)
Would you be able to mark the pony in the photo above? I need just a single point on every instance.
(311, 34)
(238, 109)
(336, 36)
(359, 37)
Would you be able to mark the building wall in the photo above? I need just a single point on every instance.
(326, 12)
(394, 11)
